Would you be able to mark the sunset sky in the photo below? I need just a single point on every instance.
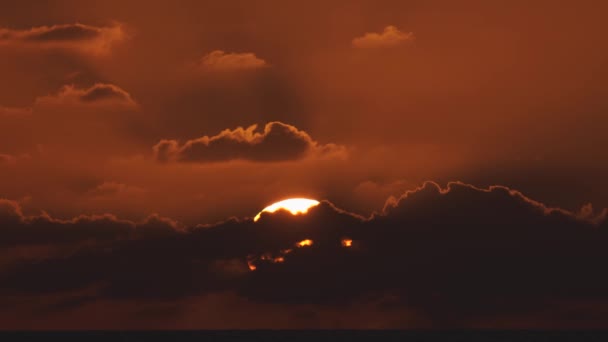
(460, 146)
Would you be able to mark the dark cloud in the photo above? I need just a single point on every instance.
(278, 142)
(452, 255)
(18, 229)
(92, 39)
(99, 93)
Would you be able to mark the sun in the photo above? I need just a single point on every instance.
(293, 205)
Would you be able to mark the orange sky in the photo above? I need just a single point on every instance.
(208, 110)
(487, 93)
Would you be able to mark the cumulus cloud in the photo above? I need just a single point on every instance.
(85, 38)
(390, 37)
(98, 94)
(277, 142)
(451, 255)
(219, 60)
(18, 229)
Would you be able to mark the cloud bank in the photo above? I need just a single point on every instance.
(453, 255)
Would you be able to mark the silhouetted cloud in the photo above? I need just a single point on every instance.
(100, 93)
(278, 142)
(452, 255)
(390, 37)
(219, 60)
(86, 38)
(18, 229)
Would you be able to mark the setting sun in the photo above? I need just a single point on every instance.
(293, 205)
(347, 242)
(304, 243)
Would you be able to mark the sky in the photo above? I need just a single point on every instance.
(460, 147)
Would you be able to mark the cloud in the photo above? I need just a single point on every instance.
(390, 37)
(85, 38)
(15, 111)
(18, 229)
(278, 142)
(98, 94)
(452, 255)
(219, 60)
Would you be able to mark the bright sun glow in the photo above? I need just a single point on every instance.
(304, 243)
(293, 205)
(347, 242)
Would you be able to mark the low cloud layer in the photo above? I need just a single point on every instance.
(391, 36)
(85, 38)
(277, 142)
(453, 256)
(19, 229)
